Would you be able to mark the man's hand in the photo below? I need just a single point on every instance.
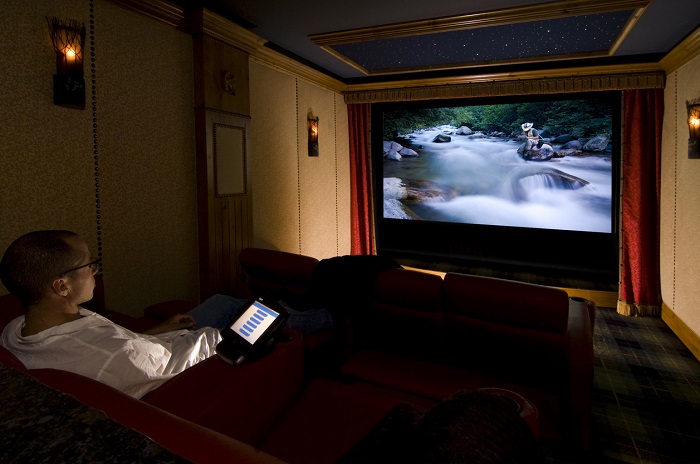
(176, 322)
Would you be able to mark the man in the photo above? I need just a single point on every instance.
(52, 273)
(531, 137)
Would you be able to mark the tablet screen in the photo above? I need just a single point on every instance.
(254, 322)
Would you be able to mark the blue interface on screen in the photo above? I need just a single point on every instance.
(253, 323)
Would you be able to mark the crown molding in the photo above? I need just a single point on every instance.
(540, 11)
(219, 28)
(290, 66)
(683, 53)
(562, 81)
(161, 10)
(209, 24)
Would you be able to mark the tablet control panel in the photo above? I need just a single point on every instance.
(254, 322)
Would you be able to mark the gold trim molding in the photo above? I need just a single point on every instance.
(221, 29)
(511, 87)
(213, 26)
(503, 17)
(689, 338)
(538, 12)
(161, 10)
(683, 53)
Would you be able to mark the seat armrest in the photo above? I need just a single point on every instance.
(580, 365)
(162, 311)
(242, 401)
(191, 441)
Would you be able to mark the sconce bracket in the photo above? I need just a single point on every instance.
(313, 149)
(69, 91)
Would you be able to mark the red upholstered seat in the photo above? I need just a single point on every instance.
(279, 275)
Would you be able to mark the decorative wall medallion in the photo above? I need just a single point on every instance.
(229, 82)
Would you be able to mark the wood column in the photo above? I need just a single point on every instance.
(222, 125)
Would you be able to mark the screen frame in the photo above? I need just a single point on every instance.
(546, 250)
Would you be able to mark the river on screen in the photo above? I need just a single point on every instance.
(492, 185)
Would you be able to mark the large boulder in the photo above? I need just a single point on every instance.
(399, 193)
(393, 155)
(597, 143)
(392, 150)
(545, 153)
(394, 189)
(478, 135)
(442, 138)
(564, 138)
(390, 145)
(572, 144)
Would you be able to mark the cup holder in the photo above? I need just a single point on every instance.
(511, 402)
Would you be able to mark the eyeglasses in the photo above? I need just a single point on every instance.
(94, 265)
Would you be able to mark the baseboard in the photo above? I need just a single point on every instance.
(601, 298)
(689, 338)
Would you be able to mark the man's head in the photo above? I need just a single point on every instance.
(34, 262)
(527, 126)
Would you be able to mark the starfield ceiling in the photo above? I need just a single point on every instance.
(367, 40)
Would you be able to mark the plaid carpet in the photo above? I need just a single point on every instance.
(646, 396)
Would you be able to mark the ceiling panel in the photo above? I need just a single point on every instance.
(561, 38)
(362, 41)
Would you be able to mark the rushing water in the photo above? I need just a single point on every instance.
(497, 187)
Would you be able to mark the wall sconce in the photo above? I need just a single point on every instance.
(68, 38)
(313, 134)
(693, 128)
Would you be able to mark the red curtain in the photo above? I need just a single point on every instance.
(640, 287)
(362, 236)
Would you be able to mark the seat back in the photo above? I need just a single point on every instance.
(279, 275)
(10, 308)
(507, 328)
(404, 315)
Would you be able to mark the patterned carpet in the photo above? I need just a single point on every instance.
(646, 403)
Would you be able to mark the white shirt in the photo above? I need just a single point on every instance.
(95, 347)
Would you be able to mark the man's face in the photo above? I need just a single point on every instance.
(82, 279)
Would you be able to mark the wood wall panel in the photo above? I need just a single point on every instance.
(223, 162)
(225, 224)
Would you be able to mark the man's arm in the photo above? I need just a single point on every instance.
(176, 322)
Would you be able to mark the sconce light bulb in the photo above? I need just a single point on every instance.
(70, 53)
(694, 121)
